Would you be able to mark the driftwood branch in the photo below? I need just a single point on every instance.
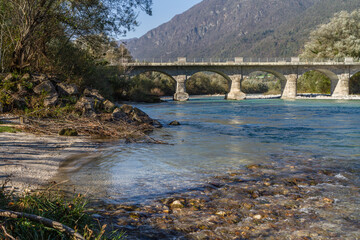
(47, 222)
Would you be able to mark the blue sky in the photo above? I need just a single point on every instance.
(163, 11)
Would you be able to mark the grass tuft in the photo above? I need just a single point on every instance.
(52, 205)
(8, 129)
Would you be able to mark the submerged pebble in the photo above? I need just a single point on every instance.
(271, 204)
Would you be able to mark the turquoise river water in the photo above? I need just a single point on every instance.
(218, 136)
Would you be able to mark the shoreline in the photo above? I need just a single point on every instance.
(30, 162)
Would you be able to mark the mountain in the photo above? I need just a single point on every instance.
(230, 28)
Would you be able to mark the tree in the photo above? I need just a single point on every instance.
(338, 39)
(28, 26)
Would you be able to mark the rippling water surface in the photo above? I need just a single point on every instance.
(217, 136)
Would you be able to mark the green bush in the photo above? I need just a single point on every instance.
(314, 82)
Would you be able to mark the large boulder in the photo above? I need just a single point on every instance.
(108, 106)
(140, 116)
(126, 109)
(118, 114)
(86, 105)
(67, 89)
(45, 87)
(94, 94)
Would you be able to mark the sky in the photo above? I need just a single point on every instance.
(163, 11)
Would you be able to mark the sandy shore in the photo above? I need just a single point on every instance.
(28, 161)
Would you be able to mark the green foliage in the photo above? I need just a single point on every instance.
(337, 39)
(355, 84)
(206, 83)
(27, 27)
(52, 205)
(314, 82)
(147, 87)
(261, 83)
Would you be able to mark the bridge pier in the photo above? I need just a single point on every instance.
(235, 89)
(342, 88)
(290, 89)
(181, 94)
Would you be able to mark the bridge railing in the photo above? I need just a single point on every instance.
(244, 60)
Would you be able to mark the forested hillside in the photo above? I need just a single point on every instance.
(248, 28)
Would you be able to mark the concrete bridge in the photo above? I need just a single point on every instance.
(235, 71)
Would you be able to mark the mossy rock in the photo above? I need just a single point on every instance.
(68, 132)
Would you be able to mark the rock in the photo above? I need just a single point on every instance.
(94, 94)
(176, 204)
(220, 213)
(86, 105)
(45, 87)
(68, 132)
(257, 217)
(139, 116)
(67, 89)
(127, 109)
(118, 114)
(108, 106)
(174, 123)
(17, 101)
(156, 124)
(51, 100)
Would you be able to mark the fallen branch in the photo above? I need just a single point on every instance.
(47, 222)
(6, 234)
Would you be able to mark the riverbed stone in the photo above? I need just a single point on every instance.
(45, 87)
(176, 204)
(174, 123)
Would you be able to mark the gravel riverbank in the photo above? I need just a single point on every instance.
(29, 162)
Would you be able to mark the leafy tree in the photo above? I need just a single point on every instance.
(29, 26)
(338, 39)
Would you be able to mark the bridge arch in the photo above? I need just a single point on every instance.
(316, 82)
(159, 83)
(333, 77)
(261, 82)
(279, 75)
(137, 73)
(354, 84)
(217, 81)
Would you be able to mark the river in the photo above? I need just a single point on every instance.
(217, 136)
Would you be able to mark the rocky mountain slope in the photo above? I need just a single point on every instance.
(229, 28)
